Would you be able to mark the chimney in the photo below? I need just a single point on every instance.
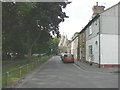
(97, 9)
(96, 3)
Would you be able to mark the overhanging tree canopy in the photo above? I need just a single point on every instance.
(25, 22)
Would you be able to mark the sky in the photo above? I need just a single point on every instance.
(80, 12)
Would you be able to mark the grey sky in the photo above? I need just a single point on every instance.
(80, 12)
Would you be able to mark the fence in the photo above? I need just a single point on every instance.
(11, 77)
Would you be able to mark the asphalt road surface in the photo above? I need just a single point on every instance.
(56, 74)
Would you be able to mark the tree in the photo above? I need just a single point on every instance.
(53, 44)
(26, 22)
(49, 16)
(46, 47)
(11, 33)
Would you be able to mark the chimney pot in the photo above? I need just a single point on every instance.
(96, 3)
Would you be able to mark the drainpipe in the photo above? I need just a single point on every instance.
(99, 46)
(78, 49)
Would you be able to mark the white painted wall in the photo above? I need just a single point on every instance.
(109, 49)
(119, 48)
(72, 47)
(108, 38)
(75, 53)
(109, 21)
(95, 49)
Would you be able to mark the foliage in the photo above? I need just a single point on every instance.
(46, 47)
(27, 24)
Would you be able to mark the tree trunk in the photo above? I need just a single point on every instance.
(29, 52)
(29, 46)
(30, 43)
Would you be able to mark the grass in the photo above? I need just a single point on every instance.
(17, 69)
(9, 65)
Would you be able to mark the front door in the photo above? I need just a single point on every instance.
(90, 53)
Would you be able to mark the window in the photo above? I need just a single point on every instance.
(90, 30)
(90, 50)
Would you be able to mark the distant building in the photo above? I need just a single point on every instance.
(63, 43)
(74, 45)
(69, 46)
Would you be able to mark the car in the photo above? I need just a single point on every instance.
(62, 56)
(68, 58)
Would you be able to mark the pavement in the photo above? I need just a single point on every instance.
(94, 67)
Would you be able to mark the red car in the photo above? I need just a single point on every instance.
(68, 58)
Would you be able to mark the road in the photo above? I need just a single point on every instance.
(55, 74)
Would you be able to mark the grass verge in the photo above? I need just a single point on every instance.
(14, 70)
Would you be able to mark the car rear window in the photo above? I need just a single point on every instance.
(68, 55)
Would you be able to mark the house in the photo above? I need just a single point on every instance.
(69, 46)
(97, 42)
(78, 43)
(102, 37)
(63, 43)
(74, 45)
(82, 45)
(79, 39)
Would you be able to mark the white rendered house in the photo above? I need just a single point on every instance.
(102, 34)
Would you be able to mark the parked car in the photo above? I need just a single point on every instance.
(68, 58)
(62, 55)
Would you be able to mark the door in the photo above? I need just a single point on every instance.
(90, 53)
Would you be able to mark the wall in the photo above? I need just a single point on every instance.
(95, 49)
(83, 46)
(119, 32)
(119, 19)
(119, 48)
(109, 35)
(109, 21)
(80, 46)
(75, 47)
(95, 29)
(91, 40)
(72, 47)
(109, 49)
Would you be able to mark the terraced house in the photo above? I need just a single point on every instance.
(98, 40)
(82, 45)
(102, 37)
(74, 45)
